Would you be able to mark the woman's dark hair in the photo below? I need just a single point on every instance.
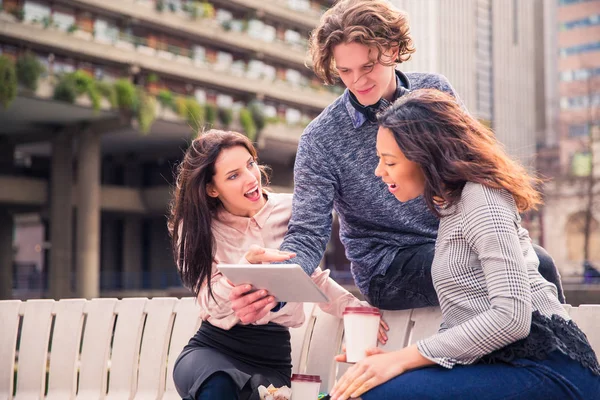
(192, 209)
(453, 148)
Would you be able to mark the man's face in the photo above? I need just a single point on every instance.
(362, 74)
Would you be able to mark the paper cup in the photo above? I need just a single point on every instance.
(361, 326)
(305, 387)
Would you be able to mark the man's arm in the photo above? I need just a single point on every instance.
(315, 183)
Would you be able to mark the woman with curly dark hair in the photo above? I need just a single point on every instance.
(504, 333)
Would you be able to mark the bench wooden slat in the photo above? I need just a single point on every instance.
(587, 317)
(153, 354)
(99, 323)
(426, 322)
(33, 350)
(66, 338)
(300, 337)
(187, 322)
(9, 315)
(400, 324)
(126, 348)
(325, 344)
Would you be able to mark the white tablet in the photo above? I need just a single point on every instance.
(287, 282)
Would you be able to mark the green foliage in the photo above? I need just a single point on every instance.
(73, 28)
(225, 117)
(29, 69)
(146, 112)
(19, 13)
(86, 84)
(47, 22)
(65, 90)
(210, 113)
(152, 78)
(258, 115)
(198, 9)
(166, 98)
(248, 124)
(274, 120)
(75, 84)
(160, 5)
(8, 81)
(107, 91)
(192, 111)
(127, 99)
(208, 10)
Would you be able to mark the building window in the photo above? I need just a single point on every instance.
(578, 130)
(582, 48)
(36, 12)
(579, 74)
(588, 21)
(576, 102)
(567, 2)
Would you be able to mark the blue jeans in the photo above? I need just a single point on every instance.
(557, 378)
(218, 386)
(407, 282)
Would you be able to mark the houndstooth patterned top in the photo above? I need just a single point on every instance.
(485, 272)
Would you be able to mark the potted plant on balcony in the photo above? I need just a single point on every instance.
(8, 81)
(153, 83)
(192, 111)
(75, 84)
(48, 22)
(72, 28)
(248, 123)
(18, 13)
(65, 90)
(146, 111)
(225, 117)
(107, 90)
(166, 99)
(258, 115)
(210, 113)
(29, 69)
(208, 10)
(160, 5)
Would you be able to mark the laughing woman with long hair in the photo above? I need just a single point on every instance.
(219, 211)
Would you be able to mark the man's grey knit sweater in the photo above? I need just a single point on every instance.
(334, 169)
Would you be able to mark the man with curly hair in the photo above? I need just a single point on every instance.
(390, 247)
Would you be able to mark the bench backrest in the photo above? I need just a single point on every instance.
(125, 349)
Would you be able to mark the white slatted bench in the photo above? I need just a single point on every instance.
(125, 349)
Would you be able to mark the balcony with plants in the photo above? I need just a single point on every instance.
(255, 75)
(155, 98)
(220, 25)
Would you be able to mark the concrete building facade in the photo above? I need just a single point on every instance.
(573, 118)
(488, 51)
(81, 175)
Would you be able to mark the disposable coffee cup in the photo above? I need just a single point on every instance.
(305, 387)
(361, 326)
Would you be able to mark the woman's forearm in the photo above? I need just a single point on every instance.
(410, 358)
